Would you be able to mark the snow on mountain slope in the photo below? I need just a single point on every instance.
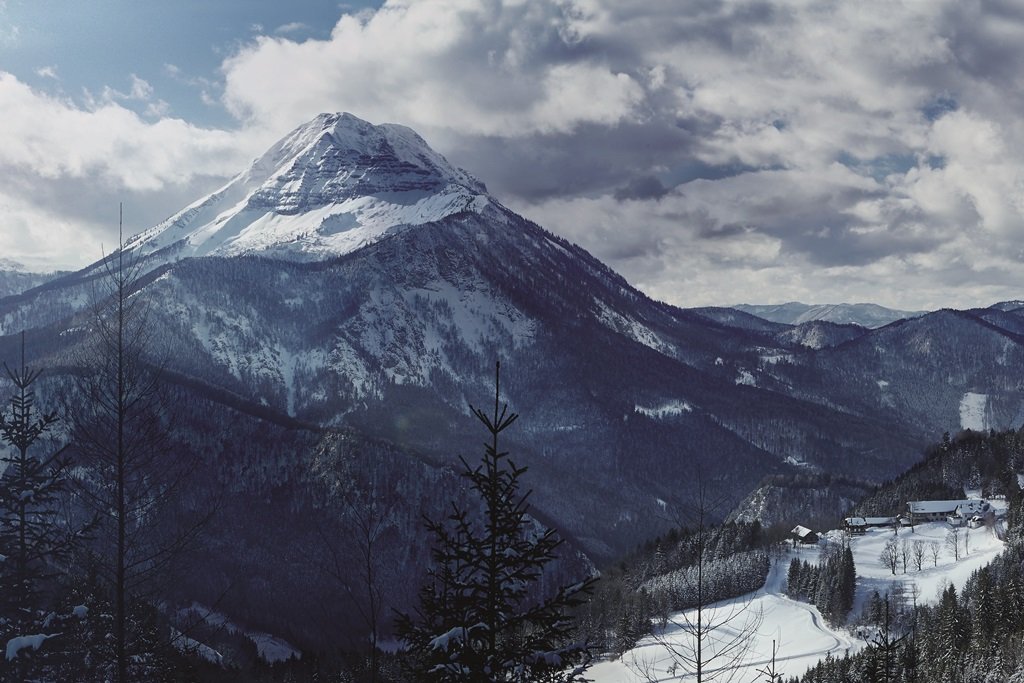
(795, 313)
(974, 411)
(326, 189)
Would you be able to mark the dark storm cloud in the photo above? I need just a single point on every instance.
(585, 161)
(722, 231)
(643, 187)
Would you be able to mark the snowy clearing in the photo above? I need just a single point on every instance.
(973, 412)
(982, 547)
(798, 628)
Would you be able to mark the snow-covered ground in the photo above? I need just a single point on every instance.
(798, 629)
(270, 648)
(974, 411)
(982, 546)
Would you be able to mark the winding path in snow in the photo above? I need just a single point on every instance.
(792, 624)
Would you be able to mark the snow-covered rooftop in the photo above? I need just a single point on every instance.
(878, 521)
(927, 507)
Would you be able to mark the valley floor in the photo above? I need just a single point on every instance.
(798, 629)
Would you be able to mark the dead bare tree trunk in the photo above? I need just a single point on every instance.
(119, 428)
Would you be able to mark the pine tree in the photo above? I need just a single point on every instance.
(950, 632)
(32, 537)
(476, 619)
(983, 611)
(793, 578)
(846, 583)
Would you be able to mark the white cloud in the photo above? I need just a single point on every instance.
(486, 68)
(34, 237)
(52, 137)
(291, 27)
(62, 163)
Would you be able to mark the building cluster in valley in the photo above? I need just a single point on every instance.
(969, 512)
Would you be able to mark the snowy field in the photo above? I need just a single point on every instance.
(982, 546)
(798, 628)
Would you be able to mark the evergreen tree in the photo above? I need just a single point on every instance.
(32, 537)
(846, 583)
(950, 632)
(793, 578)
(477, 620)
(983, 611)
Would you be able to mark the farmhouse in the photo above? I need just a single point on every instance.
(935, 510)
(855, 525)
(803, 535)
(858, 525)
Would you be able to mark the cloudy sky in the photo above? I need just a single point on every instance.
(713, 152)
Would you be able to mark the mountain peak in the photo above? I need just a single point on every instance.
(332, 185)
(363, 158)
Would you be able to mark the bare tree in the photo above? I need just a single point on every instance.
(366, 524)
(889, 557)
(905, 554)
(953, 542)
(709, 642)
(128, 476)
(917, 550)
(768, 670)
(933, 550)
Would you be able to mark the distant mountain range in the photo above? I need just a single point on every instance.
(795, 313)
(16, 278)
(329, 314)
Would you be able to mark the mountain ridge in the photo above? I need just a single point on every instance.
(794, 313)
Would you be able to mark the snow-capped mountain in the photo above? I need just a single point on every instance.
(795, 313)
(331, 186)
(351, 279)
